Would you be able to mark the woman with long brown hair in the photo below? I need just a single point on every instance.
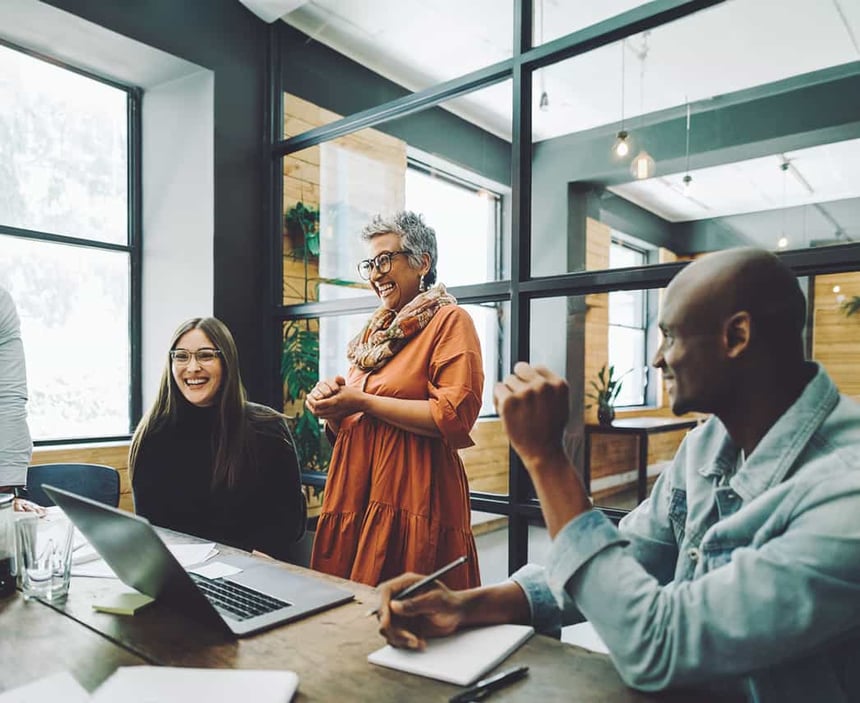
(205, 461)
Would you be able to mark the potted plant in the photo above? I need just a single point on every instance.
(606, 390)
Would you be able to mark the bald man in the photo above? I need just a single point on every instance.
(743, 567)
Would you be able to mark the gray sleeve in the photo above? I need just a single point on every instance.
(15, 445)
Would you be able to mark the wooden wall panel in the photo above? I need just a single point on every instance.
(114, 454)
(835, 337)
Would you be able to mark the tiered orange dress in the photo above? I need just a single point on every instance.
(396, 501)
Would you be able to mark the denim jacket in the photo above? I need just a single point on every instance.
(749, 575)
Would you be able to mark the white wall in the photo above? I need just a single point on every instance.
(178, 214)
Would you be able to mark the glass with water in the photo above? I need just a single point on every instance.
(45, 558)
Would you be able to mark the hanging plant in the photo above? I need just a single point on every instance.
(302, 223)
(851, 306)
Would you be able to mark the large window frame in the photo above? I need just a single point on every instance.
(132, 246)
(521, 288)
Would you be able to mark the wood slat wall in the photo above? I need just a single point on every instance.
(113, 454)
(835, 337)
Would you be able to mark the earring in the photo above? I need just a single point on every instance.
(422, 286)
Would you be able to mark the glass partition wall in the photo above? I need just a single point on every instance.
(570, 168)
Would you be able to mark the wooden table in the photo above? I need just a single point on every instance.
(327, 650)
(641, 428)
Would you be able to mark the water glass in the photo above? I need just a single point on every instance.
(45, 558)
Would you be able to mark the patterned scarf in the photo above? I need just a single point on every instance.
(387, 332)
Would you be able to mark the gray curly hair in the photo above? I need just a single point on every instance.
(415, 235)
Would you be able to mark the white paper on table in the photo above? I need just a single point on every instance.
(53, 524)
(584, 635)
(186, 554)
(61, 686)
(216, 570)
(142, 684)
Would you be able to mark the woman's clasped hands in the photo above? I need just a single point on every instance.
(331, 398)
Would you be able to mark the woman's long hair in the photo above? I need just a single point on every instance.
(230, 427)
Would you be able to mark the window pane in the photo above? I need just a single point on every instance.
(572, 337)
(709, 161)
(392, 39)
(73, 303)
(63, 151)
(566, 17)
(466, 221)
(627, 357)
(332, 191)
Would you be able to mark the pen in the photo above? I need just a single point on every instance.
(485, 687)
(426, 581)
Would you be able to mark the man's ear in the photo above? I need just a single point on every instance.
(737, 334)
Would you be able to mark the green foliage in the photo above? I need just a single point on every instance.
(851, 306)
(300, 355)
(303, 228)
(606, 388)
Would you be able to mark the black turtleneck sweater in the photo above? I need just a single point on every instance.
(173, 484)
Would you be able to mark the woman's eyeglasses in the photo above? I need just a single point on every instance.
(182, 357)
(380, 262)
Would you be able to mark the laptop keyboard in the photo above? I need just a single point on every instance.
(237, 601)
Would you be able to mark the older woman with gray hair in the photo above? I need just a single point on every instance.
(397, 498)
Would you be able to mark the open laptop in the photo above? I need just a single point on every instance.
(259, 597)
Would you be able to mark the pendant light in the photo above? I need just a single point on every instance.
(643, 165)
(621, 147)
(688, 179)
(544, 96)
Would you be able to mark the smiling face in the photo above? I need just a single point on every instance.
(689, 355)
(198, 383)
(399, 285)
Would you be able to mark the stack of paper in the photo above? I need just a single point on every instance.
(460, 658)
(186, 554)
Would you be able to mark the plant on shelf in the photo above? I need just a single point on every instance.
(851, 306)
(606, 390)
(300, 355)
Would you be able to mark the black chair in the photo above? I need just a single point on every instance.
(94, 481)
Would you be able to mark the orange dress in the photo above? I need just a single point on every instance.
(396, 501)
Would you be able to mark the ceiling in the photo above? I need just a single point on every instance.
(735, 46)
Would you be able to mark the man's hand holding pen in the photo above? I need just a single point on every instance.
(434, 612)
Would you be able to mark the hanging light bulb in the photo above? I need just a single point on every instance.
(782, 243)
(544, 96)
(688, 184)
(643, 166)
(687, 179)
(621, 147)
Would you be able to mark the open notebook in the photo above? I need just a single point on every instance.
(461, 658)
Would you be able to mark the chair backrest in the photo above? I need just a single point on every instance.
(94, 481)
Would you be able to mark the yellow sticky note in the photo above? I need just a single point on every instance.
(123, 603)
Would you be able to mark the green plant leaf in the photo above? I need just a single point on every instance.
(852, 306)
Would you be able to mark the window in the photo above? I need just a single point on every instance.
(466, 219)
(66, 254)
(628, 326)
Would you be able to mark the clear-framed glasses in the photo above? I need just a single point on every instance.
(204, 356)
(380, 262)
